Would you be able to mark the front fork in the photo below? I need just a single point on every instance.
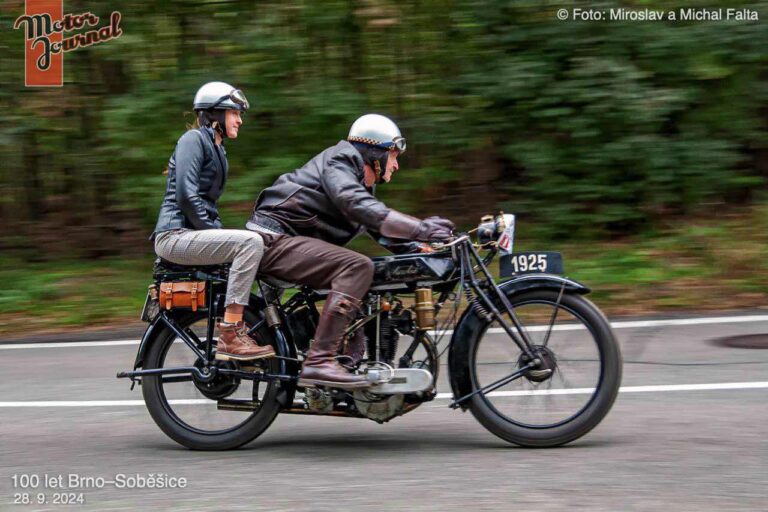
(521, 338)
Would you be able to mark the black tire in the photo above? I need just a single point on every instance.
(598, 405)
(175, 428)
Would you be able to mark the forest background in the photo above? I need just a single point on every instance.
(638, 149)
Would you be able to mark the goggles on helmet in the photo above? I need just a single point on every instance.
(398, 143)
(236, 96)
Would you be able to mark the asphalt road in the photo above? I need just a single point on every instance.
(658, 449)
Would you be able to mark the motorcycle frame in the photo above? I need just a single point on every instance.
(214, 306)
(463, 252)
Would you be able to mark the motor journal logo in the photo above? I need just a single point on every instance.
(49, 34)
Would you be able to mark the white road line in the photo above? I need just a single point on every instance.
(70, 345)
(99, 403)
(628, 389)
(440, 396)
(648, 323)
(494, 330)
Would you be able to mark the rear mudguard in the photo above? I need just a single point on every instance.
(149, 335)
(470, 325)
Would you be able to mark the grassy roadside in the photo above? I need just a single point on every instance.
(57, 296)
(707, 264)
(702, 264)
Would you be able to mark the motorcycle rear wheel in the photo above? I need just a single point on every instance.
(170, 417)
(520, 412)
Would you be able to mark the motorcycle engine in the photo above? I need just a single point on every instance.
(379, 408)
(318, 400)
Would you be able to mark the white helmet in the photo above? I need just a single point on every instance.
(219, 96)
(377, 130)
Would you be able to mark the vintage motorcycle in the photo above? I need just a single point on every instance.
(535, 362)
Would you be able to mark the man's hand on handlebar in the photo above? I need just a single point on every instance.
(432, 229)
(442, 221)
(435, 229)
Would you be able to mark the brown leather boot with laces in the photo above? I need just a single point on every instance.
(235, 345)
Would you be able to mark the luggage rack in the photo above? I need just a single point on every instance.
(164, 270)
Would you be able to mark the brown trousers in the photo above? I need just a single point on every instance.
(315, 263)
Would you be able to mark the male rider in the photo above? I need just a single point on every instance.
(307, 214)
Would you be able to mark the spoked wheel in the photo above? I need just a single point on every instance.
(188, 410)
(572, 389)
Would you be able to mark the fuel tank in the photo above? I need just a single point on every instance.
(408, 269)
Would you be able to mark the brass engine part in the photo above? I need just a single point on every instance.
(425, 309)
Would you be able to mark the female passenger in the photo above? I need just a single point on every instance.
(189, 229)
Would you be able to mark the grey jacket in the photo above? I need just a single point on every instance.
(197, 172)
(325, 199)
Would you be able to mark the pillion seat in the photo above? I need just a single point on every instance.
(163, 266)
(168, 270)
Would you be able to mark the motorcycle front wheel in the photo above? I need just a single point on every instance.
(188, 411)
(577, 383)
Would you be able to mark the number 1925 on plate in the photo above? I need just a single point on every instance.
(531, 263)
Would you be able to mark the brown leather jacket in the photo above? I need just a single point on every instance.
(325, 199)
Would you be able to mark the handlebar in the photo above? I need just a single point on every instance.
(463, 237)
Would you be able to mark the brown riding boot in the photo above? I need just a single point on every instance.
(354, 348)
(235, 345)
(320, 368)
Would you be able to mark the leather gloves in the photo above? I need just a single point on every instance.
(435, 229)
(399, 225)
(450, 226)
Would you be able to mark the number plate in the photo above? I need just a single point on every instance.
(531, 263)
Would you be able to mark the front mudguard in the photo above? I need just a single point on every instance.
(470, 325)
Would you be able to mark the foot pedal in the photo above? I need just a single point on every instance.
(402, 381)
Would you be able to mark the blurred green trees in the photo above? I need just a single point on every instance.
(584, 128)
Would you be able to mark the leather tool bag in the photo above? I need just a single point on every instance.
(182, 294)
